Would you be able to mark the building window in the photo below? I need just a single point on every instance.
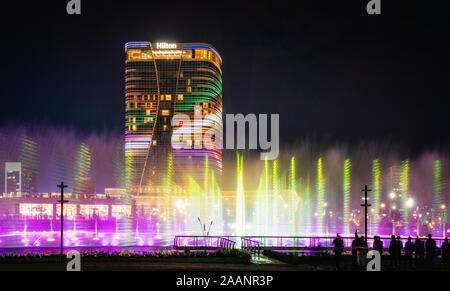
(168, 97)
(180, 97)
(165, 112)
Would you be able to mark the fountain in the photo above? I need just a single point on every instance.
(298, 194)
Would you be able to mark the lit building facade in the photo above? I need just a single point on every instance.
(161, 80)
(13, 179)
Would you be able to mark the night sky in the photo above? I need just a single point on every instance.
(329, 69)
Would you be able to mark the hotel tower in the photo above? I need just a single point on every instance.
(161, 80)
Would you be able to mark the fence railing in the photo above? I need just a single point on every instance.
(259, 243)
(315, 242)
(252, 246)
(201, 242)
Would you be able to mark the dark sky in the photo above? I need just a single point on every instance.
(326, 67)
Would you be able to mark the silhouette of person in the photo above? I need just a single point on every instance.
(378, 244)
(338, 249)
(430, 246)
(419, 251)
(445, 252)
(409, 249)
(361, 252)
(399, 250)
(393, 251)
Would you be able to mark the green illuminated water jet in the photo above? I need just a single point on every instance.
(240, 199)
(440, 212)
(275, 197)
(404, 192)
(320, 198)
(374, 214)
(293, 197)
(346, 187)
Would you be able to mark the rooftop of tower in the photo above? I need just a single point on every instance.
(184, 46)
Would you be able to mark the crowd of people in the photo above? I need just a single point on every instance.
(417, 254)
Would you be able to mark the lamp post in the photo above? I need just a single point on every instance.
(365, 205)
(62, 201)
(443, 206)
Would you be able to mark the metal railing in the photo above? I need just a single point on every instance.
(256, 244)
(251, 246)
(205, 243)
(313, 242)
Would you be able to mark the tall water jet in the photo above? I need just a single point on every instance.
(440, 211)
(275, 197)
(119, 165)
(167, 208)
(404, 192)
(83, 163)
(320, 198)
(374, 214)
(307, 205)
(240, 199)
(129, 170)
(346, 189)
(293, 198)
(260, 220)
(266, 196)
(205, 181)
(217, 214)
(300, 211)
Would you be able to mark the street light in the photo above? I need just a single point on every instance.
(410, 202)
(392, 195)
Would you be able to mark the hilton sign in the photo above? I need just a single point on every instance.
(165, 45)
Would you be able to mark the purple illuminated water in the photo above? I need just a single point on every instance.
(55, 156)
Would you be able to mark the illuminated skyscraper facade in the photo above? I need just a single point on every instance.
(13, 176)
(161, 80)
